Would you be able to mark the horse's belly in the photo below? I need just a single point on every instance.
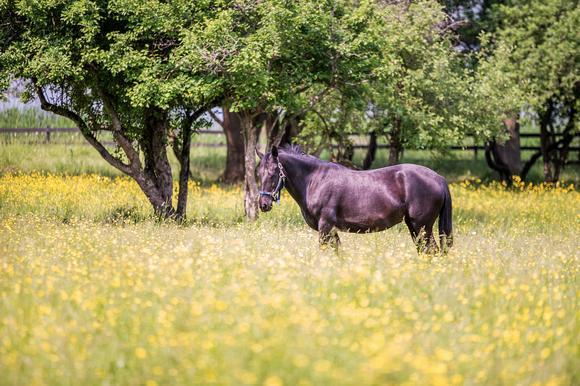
(373, 222)
(358, 228)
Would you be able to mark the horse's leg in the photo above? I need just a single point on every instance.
(414, 232)
(422, 234)
(429, 244)
(329, 237)
(327, 232)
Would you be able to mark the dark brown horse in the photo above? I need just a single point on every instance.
(333, 197)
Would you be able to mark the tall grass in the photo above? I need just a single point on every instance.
(95, 291)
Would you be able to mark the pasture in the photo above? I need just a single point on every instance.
(94, 290)
(106, 282)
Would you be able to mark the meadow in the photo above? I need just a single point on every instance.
(95, 291)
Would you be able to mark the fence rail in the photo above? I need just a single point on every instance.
(49, 130)
(12, 130)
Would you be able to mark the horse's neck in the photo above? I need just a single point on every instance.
(298, 171)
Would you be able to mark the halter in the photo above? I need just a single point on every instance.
(275, 194)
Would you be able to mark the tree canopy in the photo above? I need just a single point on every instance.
(422, 92)
(144, 72)
(543, 63)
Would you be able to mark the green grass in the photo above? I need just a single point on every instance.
(68, 153)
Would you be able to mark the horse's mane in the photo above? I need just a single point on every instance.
(297, 150)
(293, 148)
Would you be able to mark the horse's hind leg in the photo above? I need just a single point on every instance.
(427, 243)
(422, 235)
(414, 232)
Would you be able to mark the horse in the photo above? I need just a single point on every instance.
(335, 198)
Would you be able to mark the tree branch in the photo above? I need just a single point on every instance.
(322, 119)
(495, 163)
(528, 165)
(313, 101)
(216, 118)
(118, 134)
(87, 134)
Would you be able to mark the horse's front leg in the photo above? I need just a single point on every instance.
(327, 234)
(329, 238)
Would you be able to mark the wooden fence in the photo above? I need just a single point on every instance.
(475, 148)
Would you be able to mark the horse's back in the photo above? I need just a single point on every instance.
(411, 169)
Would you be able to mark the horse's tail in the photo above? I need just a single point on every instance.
(445, 220)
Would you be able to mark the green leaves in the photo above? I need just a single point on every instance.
(544, 44)
(396, 59)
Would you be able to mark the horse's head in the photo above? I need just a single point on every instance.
(271, 178)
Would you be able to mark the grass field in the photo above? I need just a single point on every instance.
(95, 291)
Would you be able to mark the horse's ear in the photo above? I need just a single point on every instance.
(259, 154)
(275, 151)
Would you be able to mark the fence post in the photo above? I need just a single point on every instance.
(48, 135)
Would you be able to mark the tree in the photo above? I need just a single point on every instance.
(544, 61)
(536, 44)
(420, 93)
(111, 68)
(274, 61)
(235, 153)
(505, 158)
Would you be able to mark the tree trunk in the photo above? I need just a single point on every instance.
(555, 151)
(154, 195)
(157, 181)
(546, 142)
(562, 146)
(234, 171)
(184, 168)
(250, 137)
(395, 146)
(506, 158)
(509, 152)
(495, 162)
(371, 151)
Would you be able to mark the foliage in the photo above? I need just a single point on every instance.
(544, 48)
(81, 47)
(420, 91)
(470, 19)
(534, 43)
(543, 62)
(426, 88)
(69, 156)
(109, 67)
(92, 301)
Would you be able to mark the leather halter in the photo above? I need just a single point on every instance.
(275, 194)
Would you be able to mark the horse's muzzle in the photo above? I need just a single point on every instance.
(265, 207)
